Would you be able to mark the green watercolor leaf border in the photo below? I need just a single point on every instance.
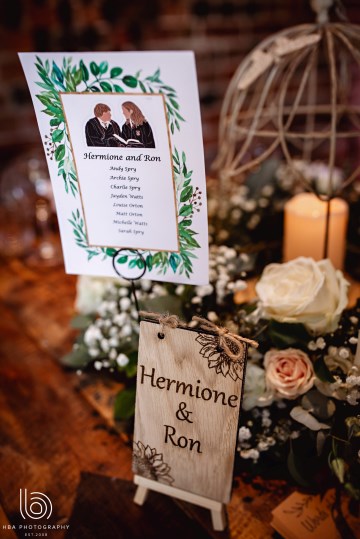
(97, 77)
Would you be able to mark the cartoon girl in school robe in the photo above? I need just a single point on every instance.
(136, 126)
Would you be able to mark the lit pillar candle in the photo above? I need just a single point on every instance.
(305, 224)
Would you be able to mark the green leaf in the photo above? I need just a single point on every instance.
(179, 116)
(294, 465)
(318, 404)
(81, 321)
(115, 72)
(156, 259)
(168, 88)
(58, 73)
(60, 152)
(140, 263)
(124, 406)
(142, 86)
(185, 222)
(186, 210)
(122, 259)
(44, 99)
(130, 370)
(103, 67)
(285, 335)
(338, 467)
(78, 76)
(57, 135)
(110, 251)
(172, 128)
(132, 263)
(94, 88)
(94, 68)
(84, 71)
(174, 103)
(130, 81)
(45, 86)
(76, 359)
(54, 122)
(189, 239)
(174, 262)
(105, 86)
(322, 371)
(118, 88)
(149, 262)
(186, 193)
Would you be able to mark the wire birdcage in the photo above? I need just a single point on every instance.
(294, 94)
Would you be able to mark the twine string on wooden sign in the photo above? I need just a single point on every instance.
(225, 337)
(165, 320)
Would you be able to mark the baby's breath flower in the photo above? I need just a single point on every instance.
(244, 434)
(250, 454)
(122, 360)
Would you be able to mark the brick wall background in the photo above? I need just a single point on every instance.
(221, 33)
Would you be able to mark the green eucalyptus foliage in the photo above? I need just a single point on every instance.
(98, 77)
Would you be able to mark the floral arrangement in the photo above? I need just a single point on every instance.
(300, 412)
(302, 385)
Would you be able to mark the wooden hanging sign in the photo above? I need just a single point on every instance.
(189, 388)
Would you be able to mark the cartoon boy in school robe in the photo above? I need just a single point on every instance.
(101, 129)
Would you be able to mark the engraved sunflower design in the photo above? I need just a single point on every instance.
(148, 463)
(212, 350)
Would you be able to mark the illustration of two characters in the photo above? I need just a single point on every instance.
(103, 131)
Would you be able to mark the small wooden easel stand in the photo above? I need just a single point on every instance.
(217, 509)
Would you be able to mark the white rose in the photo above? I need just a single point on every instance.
(90, 291)
(304, 291)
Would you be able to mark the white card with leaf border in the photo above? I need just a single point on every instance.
(123, 141)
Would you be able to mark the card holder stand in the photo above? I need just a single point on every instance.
(217, 509)
(131, 279)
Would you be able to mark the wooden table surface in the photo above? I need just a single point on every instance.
(56, 435)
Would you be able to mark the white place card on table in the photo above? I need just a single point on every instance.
(122, 136)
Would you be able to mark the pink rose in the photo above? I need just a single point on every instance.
(289, 373)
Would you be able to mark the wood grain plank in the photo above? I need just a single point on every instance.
(174, 376)
(48, 433)
(104, 508)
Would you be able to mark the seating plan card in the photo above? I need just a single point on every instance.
(122, 136)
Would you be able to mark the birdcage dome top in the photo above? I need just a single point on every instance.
(295, 94)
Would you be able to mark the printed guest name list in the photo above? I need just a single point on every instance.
(127, 193)
(121, 200)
